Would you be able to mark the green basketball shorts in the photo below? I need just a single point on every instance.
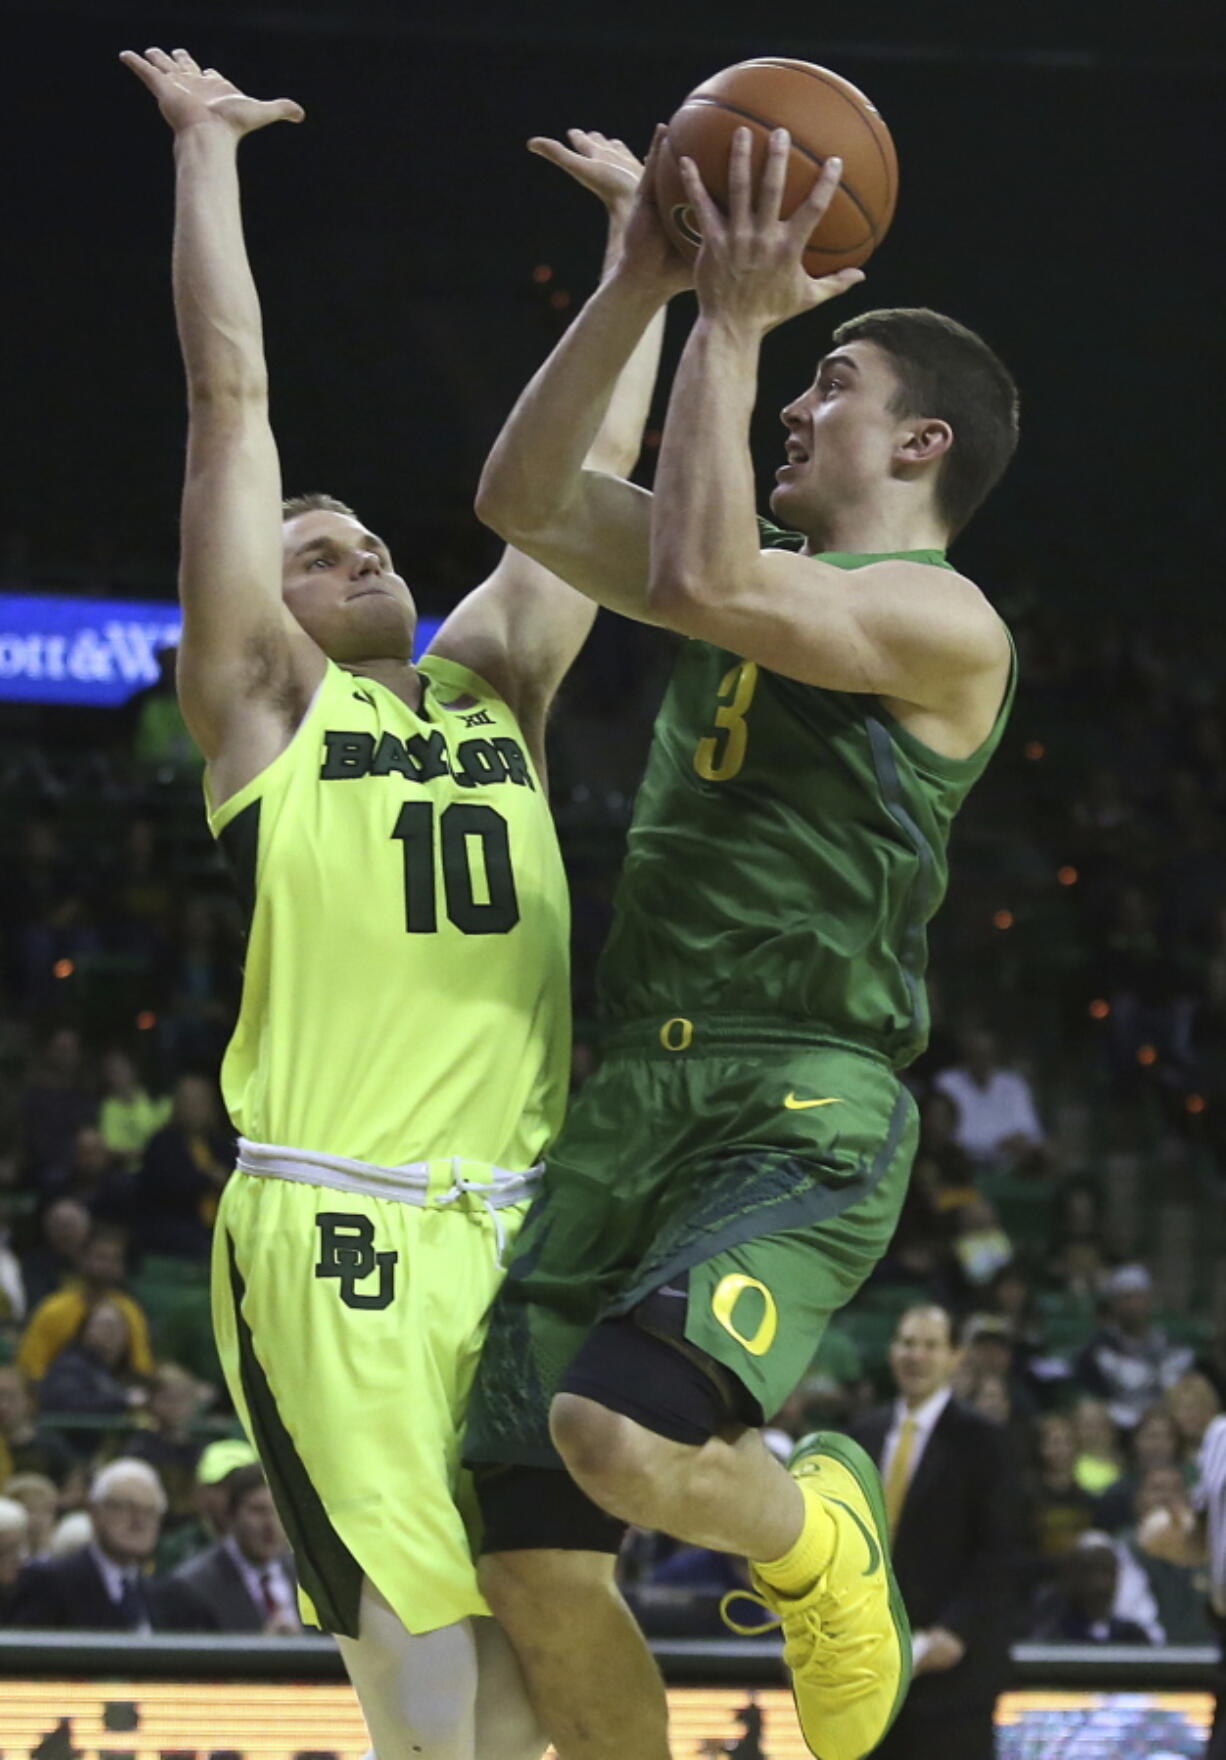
(761, 1167)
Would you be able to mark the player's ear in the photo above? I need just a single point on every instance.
(924, 440)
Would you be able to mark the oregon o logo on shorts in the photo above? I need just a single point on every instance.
(728, 1293)
(677, 1034)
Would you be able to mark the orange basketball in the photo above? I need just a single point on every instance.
(824, 115)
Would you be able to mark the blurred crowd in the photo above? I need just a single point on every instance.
(1065, 1214)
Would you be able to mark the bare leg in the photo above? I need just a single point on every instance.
(592, 1678)
(507, 1725)
(730, 1494)
(417, 1692)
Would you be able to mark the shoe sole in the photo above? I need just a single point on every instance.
(863, 1470)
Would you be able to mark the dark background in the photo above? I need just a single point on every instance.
(1061, 191)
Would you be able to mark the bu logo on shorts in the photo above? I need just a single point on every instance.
(347, 1252)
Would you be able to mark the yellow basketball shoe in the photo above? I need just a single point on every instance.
(847, 1641)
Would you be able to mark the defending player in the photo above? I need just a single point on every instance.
(402, 1051)
(735, 1168)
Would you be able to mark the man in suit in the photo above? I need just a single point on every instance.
(952, 1501)
(245, 1582)
(103, 1586)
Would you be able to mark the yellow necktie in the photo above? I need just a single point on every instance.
(899, 1474)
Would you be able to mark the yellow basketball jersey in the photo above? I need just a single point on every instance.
(406, 991)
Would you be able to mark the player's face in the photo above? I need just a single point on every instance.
(842, 437)
(339, 583)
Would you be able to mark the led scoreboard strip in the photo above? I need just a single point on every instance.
(314, 1720)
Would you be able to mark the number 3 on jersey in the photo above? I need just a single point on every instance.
(719, 755)
(476, 858)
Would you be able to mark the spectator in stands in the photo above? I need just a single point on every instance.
(1193, 1403)
(998, 1123)
(26, 1447)
(128, 1116)
(1156, 1442)
(56, 1101)
(93, 1376)
(980, 1246)
(168, 1443)
(1130, 1362)
(70, 1533)
(63, 1231)
(1100, 1458)
(1078, 1611)
(39, 1498)
(210, 1521)
(989, 1351)
(14, 1551)
(245, 1583)
(942, 1165)
(184, 1167)
(1196, 1538)
(102, 1586)
(90, 1175)
(58, 1318)
(1060, 1510)
(1179, 1590)
(951, 1498)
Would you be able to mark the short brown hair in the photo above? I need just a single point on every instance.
(948, 373)
(315, 503)
(241, 1483)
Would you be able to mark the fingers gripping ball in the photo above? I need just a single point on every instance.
(825, 115)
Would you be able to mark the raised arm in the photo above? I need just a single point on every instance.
(544, 489)
(898, 629)
(246, 669)
(522, 628)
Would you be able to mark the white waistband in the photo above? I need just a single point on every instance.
(408, 1184)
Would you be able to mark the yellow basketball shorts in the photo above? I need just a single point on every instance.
(349, 1329)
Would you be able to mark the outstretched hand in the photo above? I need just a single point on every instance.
(599, 162)
(627, 188)
(188, 95)
(750, 267)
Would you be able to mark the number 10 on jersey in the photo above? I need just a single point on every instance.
(478, 885)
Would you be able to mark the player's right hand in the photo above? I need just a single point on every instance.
(189, 96)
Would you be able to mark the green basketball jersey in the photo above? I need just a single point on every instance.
(787, 850)
(406, 987)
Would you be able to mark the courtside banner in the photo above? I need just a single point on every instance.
(95, 653)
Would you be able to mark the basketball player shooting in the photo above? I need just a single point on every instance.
(735, 1168)
(402, 1052)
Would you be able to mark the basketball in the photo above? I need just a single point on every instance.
(825, 115)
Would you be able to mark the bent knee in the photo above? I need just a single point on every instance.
(613, 1459)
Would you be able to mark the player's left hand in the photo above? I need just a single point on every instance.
(600, 163)
(750, 267)
(624, 184)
